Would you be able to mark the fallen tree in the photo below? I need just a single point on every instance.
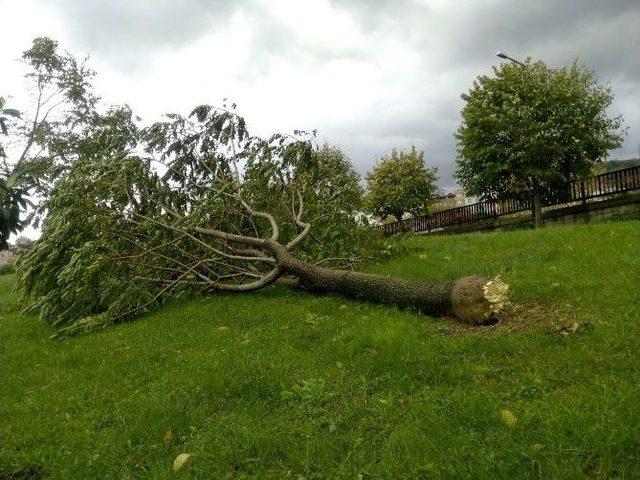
(470, 299)
(207, 208)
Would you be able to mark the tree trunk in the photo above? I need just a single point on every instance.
(472, 300)
(537, 208)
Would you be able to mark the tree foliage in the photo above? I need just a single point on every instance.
(43, 140)
(528, 131)
(121, 235)
(400, 183)
(12, 197)
(332, 195)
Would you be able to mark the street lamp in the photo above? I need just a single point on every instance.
(507, 57)
(537, 200)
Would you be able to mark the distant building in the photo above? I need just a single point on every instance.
(447, 200)
(453, 199)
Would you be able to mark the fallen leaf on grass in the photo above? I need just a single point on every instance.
(314, 318)
(508, 417)
(343, 307)
(423, 256)
(223, 328)
(168, 436)
(573, 328)
(180, 461)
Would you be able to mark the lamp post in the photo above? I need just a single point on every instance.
(537, 200)
(507, 57)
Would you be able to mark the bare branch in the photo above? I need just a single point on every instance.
(265, 281)
(298, 219)
(169, 281)
(275, 231)
(232, 237)
(159, 294)
(34, 126)
(249, 252)
(216, 234)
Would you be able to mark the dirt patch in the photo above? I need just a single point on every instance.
(524, 318)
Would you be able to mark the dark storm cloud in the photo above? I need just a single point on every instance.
(604, 35)
(127, 33)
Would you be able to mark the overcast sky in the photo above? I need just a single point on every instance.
(369, 75)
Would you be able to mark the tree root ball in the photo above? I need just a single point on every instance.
(476, 300)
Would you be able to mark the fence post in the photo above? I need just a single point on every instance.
(582, 193)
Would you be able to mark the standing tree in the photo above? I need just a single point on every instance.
(529, 130)
(44, 140)
(12, 197)
(400, 183)
(197, 205)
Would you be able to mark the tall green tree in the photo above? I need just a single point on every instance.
(400, 183)
(527, 131)
(46, 137)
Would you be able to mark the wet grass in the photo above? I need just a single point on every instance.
(282, 384)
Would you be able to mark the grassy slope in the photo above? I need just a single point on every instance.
(281, 383)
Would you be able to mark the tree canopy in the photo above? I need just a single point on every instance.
(124, 226)
(401, 183)
(527, 131)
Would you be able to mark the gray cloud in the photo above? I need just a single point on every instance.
(602, 35)
(127, 33)
(452, 43)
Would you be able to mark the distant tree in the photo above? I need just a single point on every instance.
(400, 183)
(529, 130)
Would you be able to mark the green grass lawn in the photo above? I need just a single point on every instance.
(282, 384)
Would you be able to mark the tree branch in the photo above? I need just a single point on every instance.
(265, 281)
(275, 231)
(298, 219)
